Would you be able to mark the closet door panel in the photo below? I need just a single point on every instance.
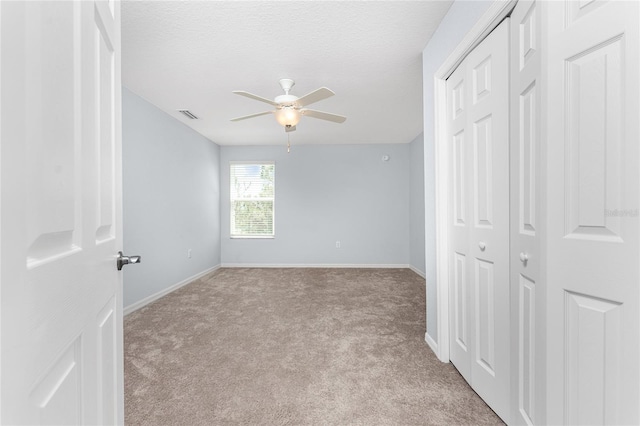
(479, 205)
(488, 120)
(527, 291)
(460, 307)
(593, 192)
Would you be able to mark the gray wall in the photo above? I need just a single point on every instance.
(416, 204)
(456, 24)
(171, 199)
(324, 194)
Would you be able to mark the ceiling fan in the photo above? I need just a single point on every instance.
(289, 108)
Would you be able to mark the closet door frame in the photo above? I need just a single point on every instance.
(499, 10)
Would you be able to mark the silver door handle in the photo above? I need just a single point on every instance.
(524, 257)
(125, 260)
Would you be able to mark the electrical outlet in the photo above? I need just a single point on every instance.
(338, 244)
(189, 253)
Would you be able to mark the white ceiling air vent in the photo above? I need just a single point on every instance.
(188, 114)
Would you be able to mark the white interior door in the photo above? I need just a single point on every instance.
(593, 164)
(60, 213)
(527, 290)
(478, 114)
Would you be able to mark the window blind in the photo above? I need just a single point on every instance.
(252, 199)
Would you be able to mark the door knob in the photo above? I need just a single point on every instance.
(482, 245)
(524, 257)
(125, 260)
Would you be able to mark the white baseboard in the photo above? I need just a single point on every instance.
(315, 265)
(432, 344)
(418, 271)
(149, 299)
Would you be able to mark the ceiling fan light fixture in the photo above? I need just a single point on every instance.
(287, 116)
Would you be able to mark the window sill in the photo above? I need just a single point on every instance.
(252, 237)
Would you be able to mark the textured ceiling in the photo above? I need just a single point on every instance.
(192, 55)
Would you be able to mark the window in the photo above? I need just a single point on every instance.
(252, 199)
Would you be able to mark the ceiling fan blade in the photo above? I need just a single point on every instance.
(252, 115)
(323, 115)
(290, 129)
(256, 97)
(315, 96)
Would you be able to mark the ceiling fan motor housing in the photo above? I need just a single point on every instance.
(286, 100)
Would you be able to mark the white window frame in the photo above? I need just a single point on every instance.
(253, 163)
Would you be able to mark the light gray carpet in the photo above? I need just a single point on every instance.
(292, 346)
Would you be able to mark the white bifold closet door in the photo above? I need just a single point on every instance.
(593, 196)
(478, 117)
(528, 292)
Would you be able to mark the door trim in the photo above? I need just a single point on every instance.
(498, 10)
